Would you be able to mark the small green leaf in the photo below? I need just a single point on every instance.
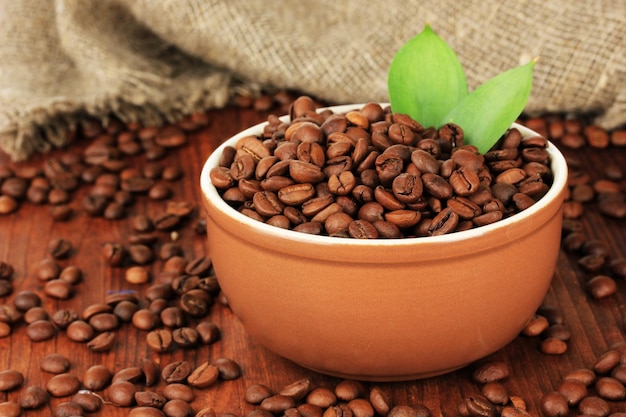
(426, 79)
(487, 112)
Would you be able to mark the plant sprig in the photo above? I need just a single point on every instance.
(426, 81)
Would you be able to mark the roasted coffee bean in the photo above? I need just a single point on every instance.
(145, 411)
(228, 369)
(177, 408)
(10, 409)
(55, 363)
(553, 346)
(114, 253)
(322, 397)
(6, 271)
(10, 379)
(277, 404)
(535, 326)
(607, 361)
(360, 407)
(573, 390)
(610, 389)
(68, 409)
(594, 406)
(140, 254)
(601, 286)
(159, 340)
(63, 385)
(256, 393)
(145, 319)
(491, 371)
(495, 392)
(102, 342)
(185, 337)
(88, 401)
(137, 275)
(348, 390)
(97, 377)
(121, 394)
(8, 204)
(176, 371)
(58, 288)
(80, 331)
(177, 391)
(196, 302)
(33, 397)
(5, 330)
(40, 330)
(309, 410)
(6, 288)
(64, 317)
(554, 404)
(71, 274)
(202, 376)
(150, 399)
(48, 269)
(125, 310)
(26, 299)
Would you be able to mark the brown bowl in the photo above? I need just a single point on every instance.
(385, 310)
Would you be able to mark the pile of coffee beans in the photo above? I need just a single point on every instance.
(370, 173)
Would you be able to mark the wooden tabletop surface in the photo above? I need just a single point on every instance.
(596, 325)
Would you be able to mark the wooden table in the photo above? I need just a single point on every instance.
(24, 235)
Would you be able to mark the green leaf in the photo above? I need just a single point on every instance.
(487, 112)
(426, 79)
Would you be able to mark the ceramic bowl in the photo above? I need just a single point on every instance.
(385, 310)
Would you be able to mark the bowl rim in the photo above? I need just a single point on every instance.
(212, 196)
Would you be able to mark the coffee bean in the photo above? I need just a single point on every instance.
(40, 330)
(149, 399)
(185, 337)
(177, 371)
(63, 385)
(495, 392)
(80, 331)
(55, 363)
(535, 326)
(88, 401)
(102, 342)
(277, 404)
(206, 412)
(380, 400)
(5, 330)
(228, 369)
(97, 377)
(322, 397)
(10, 379)
(256, 393)
(145, 319)
(25, 300)
(491, 371)
(607, 361)
(58, 288)
(610, 389)
(553, 346)
(10, 408)
(202, 376)
(60, 248)
(601, 286)
(177, 408)
(63, 318)
(33, 397)
(177, 391)
(594, 406)
(137, 275)
(360, 407)
(554, 404)
(48, 269)
(296, 390)
(71, 274)
(584, 375)
(121, 394)
(145, 411)
(6, 288)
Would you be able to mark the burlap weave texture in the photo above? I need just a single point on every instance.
(152, 61)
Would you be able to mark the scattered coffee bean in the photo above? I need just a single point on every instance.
(97, 377)
(33, 397)
(10, 379)
(55, 363)
(63, 385)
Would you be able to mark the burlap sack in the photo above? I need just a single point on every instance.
(155, 60)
